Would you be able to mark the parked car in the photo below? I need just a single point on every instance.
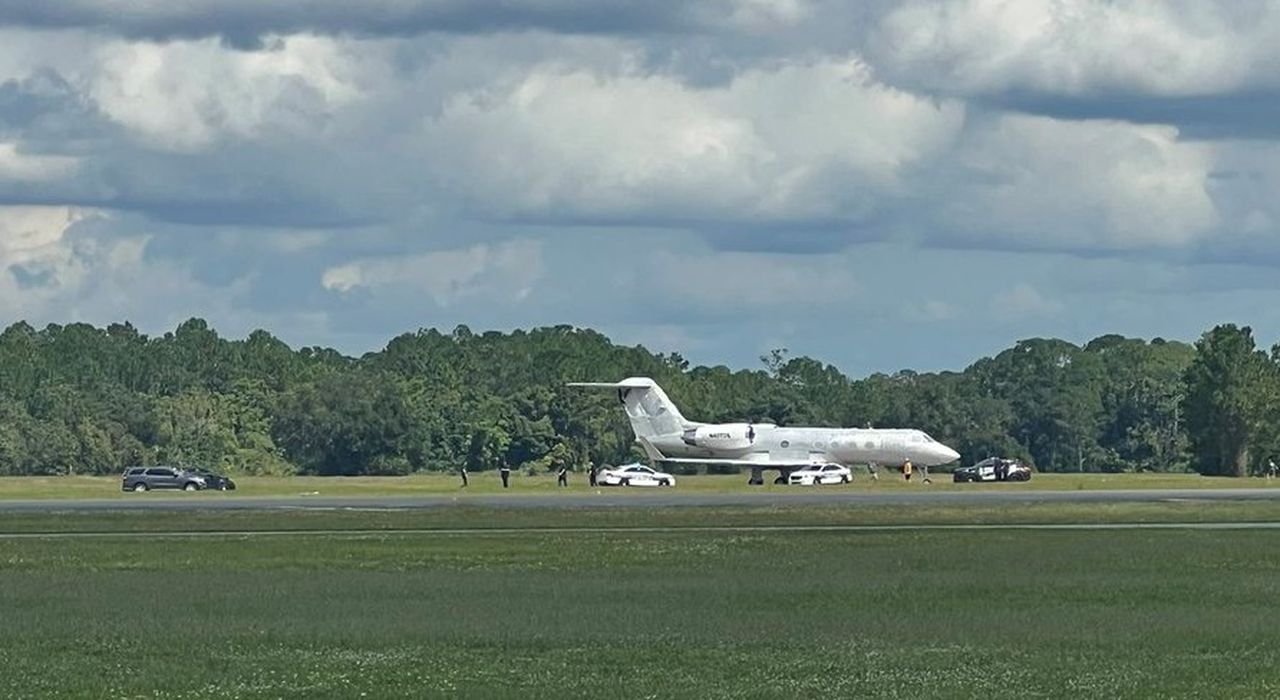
(216, 482)
(993, 469)
(148, 478)
(634, 475)
(817, 474)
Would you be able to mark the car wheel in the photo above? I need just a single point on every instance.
(845, 479)
(190, 486)
(624, 482)
(666, 482)
(139, 487)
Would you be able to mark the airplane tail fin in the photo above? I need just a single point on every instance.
(647, 405)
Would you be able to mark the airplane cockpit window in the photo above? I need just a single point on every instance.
(927, 438)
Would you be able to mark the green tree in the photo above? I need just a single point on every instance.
(1222, 405)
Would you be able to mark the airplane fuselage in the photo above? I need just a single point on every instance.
(768, 443)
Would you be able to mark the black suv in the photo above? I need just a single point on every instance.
(993, 469)
(147, 478)
(217, 482)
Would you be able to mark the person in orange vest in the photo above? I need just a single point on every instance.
(906, 470)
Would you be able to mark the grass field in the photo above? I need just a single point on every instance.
(595, 613)
(487, 483)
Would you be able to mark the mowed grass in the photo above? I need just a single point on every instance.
(593, 614)
(487, 483)
(469, 517)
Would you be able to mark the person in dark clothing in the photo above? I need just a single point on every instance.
(591, 474)
(463, 473)
(505, 472)
(562, 476)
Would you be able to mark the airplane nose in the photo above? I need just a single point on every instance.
(949, 455)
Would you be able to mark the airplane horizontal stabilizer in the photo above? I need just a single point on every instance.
(632, 383)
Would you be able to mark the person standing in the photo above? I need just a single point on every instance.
(591, 474)
(1271, 468)
(871, 469)
(562, 476)
(463, 473)
(505, 472)
(906, 470)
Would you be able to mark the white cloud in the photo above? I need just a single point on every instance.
(790, 142)
(50, 268)
(184, 95)
(503, 272)
(1082, 47)
(33, 246)
(1080, 185)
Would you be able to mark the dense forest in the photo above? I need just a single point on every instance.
(78, 399)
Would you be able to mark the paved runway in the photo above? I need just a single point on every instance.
(382, 533)
(665, 498)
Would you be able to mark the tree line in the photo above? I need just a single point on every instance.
(77, 399)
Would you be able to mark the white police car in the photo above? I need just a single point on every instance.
(634, 475)
(817, 474)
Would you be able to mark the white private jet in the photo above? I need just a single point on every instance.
(667, 437)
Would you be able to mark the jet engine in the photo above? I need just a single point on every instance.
(722, 436)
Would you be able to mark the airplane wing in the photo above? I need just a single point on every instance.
(655, 455)
(763, 463)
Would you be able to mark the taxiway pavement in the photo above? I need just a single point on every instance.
(618, 498)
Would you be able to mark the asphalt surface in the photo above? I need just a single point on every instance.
(472, 531)
(665, 498)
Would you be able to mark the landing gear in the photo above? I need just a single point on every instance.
(757, 477)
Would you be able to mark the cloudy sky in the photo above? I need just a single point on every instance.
(879, 184)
